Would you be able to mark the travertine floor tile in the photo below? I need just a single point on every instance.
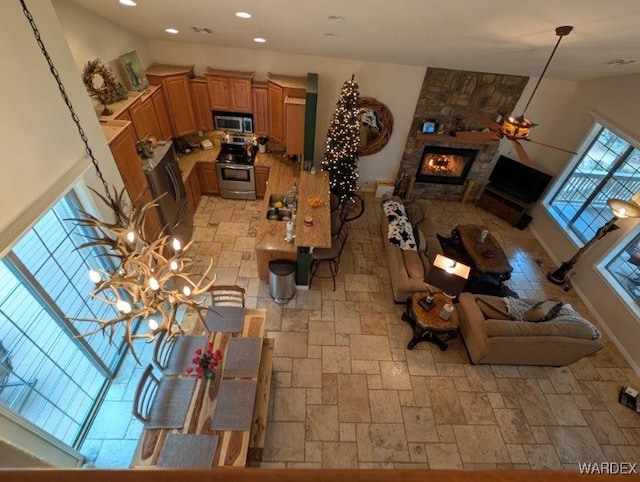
(481, 444)
(284, 442)
(370, 347)
(395, 375)
(444, 401)
(604, 428)
(385, 406)
(382, 442)
(306, 373)
(419, 424)
(353, 398)
(289, 404)
(339, 455)
(322, 423)
(443, 456)
(336, 359)
(565, 409)
(575, 444)
(513, 426)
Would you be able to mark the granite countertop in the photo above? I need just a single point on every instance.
(282, 176)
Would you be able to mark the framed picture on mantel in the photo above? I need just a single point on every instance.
(132, 72)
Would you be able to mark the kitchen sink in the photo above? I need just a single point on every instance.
(277, 198)
(276, 214)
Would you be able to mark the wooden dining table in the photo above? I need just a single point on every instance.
(235, 448)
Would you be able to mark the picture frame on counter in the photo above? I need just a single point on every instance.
(132, 71)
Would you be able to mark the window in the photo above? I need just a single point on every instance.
(609, 168)
(48, 374)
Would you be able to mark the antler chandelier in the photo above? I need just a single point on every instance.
(152, 277)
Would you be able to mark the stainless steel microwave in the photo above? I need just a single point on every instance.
(232, 122)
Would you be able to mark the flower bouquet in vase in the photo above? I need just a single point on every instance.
(205, 362)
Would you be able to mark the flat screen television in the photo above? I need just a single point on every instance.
(518, 180)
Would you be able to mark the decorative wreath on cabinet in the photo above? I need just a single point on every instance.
(101, 83)
(376, 125)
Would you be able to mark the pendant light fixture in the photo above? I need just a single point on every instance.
(151, 276)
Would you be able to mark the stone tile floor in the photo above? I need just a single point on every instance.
(347, 393)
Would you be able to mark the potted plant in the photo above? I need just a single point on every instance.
(262, 143)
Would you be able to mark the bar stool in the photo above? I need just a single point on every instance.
(330, 256)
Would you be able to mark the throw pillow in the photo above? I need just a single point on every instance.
(414, 213)
(543, 310)
(493, 311)
(401, 234)
(393, 210)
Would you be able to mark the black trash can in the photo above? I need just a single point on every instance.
(282, 280)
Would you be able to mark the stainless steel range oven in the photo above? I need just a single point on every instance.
(234, 167)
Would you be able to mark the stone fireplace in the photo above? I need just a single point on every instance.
(445, 165)
(447, 96)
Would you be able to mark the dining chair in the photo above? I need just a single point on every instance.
(329, 256)
(227, 295)
(145, 394)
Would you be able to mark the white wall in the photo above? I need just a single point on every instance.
(40, 142)
(90, 36)
(616, 98)
(396, 86)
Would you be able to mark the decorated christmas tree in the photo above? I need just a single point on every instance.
(343, 138)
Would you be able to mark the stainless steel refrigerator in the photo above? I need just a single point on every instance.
(164, 177)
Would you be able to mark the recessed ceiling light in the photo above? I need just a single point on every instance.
(335, 18)
(243, 15)
(260, 40)
(329, 34)
(128, 3)
(172, 31)
(206, 30)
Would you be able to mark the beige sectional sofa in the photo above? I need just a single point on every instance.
(491, 339)
(409, 267)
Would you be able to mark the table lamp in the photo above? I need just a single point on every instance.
(448, 274)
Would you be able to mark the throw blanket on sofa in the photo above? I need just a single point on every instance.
(517, 309)
(400, 229)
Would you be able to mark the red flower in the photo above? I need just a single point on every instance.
(189, 371)
(196, 360)
(212, 366)
(198, 352)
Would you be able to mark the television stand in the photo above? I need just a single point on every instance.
(503, 205)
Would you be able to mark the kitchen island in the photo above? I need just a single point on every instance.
(270, 239)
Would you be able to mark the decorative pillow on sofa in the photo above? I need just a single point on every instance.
(400, 230)
(543, 310)
(493, 311)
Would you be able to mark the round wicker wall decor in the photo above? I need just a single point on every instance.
(376, 126)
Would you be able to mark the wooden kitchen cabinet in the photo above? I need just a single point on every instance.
(121, 138)
(208, 177)
(143, 117)
(201, 104)
(280, 89)
(276, 112)
(175, 82)
(229, 90)
(261, 174)
(260, 94)
(162, 116)
(192, 188)
(294, 125)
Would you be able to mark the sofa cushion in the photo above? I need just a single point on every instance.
(508, 328)
(414, 213)
(413, 264)
(543, 311)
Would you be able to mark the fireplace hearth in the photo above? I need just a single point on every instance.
(445, 165)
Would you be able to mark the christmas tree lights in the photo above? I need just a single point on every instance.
(343, 139)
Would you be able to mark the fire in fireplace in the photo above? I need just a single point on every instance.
(445, 165)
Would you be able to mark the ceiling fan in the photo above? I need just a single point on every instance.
(515, 129)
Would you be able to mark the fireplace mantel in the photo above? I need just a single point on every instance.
(448, 139)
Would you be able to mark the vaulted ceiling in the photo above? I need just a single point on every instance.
(484, 35)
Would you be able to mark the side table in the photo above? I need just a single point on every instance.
(427, 325)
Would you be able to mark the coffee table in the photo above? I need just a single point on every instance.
(487, 257)
(427, 325)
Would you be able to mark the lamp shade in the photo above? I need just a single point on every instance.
(448, 275)
(624, 209)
